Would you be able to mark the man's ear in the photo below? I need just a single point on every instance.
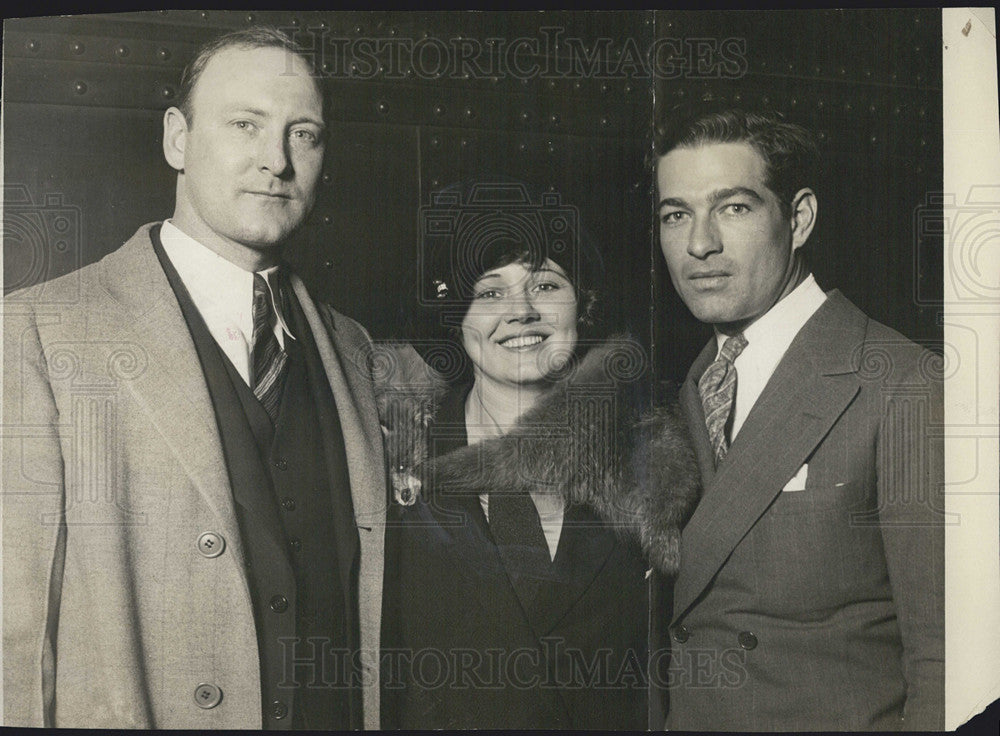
(804, 207)
(174, 137)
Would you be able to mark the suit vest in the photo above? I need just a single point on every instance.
(293, 505)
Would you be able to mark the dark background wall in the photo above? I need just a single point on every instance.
(85, 97)
(569, 112)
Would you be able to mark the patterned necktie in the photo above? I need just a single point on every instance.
(268, 359)
(717, 387)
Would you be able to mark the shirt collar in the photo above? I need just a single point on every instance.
(215, 283)
(772, 333)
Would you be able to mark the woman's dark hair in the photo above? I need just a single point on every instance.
(475, 226)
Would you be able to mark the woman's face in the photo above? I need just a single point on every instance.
(521, 325)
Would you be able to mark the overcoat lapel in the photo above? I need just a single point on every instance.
(345, 533)
(142, 310)
(346, 369)
(779, 434)
(582, 553)
(346, 361)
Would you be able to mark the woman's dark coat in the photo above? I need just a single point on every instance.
(463, 647)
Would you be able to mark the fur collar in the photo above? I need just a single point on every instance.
(584, 440)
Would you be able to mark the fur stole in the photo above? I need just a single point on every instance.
(584, 440)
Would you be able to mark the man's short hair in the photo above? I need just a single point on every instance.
(255, 37)
(790, 152)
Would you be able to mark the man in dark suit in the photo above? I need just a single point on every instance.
(193, 482)
(810, 591)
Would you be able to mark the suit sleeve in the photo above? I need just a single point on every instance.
(34, 536)
(911, 496)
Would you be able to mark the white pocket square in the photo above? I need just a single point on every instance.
(798, 481)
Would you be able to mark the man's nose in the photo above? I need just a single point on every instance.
(273, 154)
(703, 239)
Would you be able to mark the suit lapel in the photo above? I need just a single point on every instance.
(809, 390)
(142, 310)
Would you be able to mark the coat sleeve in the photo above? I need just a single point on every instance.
(34, 534)
(911, 502)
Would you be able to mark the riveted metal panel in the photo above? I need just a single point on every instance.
(571, 109)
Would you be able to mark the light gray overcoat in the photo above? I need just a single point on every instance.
(112, 470)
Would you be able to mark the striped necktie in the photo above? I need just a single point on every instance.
(268, 359)
(717, 387)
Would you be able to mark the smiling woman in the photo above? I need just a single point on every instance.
(521, 325)
(512, 599)
(514, 285)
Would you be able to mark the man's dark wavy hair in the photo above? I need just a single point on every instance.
(790, 151)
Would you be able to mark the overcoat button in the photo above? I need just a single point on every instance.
(211, 544)
(681, 634)
(747, 640)
(279, 710)
(288, 504)
(207, 695)
(279, 604)
(280, 463)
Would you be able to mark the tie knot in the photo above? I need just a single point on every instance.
(732, 347)
(263, 304)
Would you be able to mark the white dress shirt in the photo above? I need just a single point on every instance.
(768, 339)
(223, 294)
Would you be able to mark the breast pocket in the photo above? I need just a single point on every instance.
(826, 495)
(840, 477)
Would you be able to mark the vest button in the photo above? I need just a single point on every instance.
(681, 634)
(278, 710)
(207, 695)
(211, 544)
(288, 504)
(280, 463)
(279, 604)
(747, 640)
(294, 544)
